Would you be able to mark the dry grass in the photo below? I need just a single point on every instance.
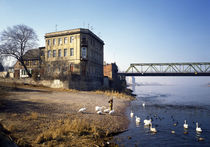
(33, 115)
(115, 93)
(72, 130)
(11, 128)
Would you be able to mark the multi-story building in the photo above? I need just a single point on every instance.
(75, 52)
(72, 55)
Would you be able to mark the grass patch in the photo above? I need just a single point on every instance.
(33, 115)
(115, 93)
(71, 129)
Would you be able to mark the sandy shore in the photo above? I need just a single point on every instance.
(29, 111)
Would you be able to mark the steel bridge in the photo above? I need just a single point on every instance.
(168, 69)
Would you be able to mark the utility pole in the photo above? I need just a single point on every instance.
(56, 27)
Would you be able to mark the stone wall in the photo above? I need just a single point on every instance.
(48, 83)
(85, 85)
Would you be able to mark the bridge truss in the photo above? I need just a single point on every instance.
(168, 69)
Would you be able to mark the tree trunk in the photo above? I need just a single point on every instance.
(23, 64)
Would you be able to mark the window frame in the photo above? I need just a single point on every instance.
(65, 52)
(48, 53)
(54, 53)
(59, 52)
(71, 39)
(49, 42)
(54, 41)
(59, 41)
(71, 51)
(65, 39)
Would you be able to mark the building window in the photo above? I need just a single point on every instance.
(71, 39)
(59, 41)
(65, 52)
(84, 52)
(71, 67)
(48, 42)
(48, 53)
(59, 53)
(71, 51)
(54, 41)
(54, 53)
(65, 40)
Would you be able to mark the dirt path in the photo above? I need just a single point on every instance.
(28, 112)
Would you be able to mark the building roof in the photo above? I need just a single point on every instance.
(33, 54)
(71, 32)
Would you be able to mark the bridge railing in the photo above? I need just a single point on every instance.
(179, 68)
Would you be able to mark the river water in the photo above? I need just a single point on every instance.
(169, 101)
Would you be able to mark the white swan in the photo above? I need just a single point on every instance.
(131, 114)
(97, 108)
(143, 104)
(99, 112)
(198, 129)
(111, 112)
(138, 119)
(147, 122)
(153, 130)
(82, 110)
(106, 111)
(185, 124)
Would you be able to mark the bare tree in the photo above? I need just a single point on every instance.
(16, 40)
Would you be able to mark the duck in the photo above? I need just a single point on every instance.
(147, 122)
(198, 129)
(153, 130)
(111, 112)
(185, 124)
(138, 119)
(82, 110)
(131, 114)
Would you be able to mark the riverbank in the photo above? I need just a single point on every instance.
(39, 116)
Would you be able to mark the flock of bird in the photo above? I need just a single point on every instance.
(148, 122)
(99, 110)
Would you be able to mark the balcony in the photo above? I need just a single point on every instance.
(84, 42)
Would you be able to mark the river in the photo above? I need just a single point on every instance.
(168, 102)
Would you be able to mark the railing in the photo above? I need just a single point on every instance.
(168, 69)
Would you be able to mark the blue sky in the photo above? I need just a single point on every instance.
(134, 31)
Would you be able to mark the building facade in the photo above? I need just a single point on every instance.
(114, 81)
(78, 52)
(74, 55)
(33, 60)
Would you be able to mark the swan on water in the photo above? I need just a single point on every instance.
(138, 119)
(131, 114)
(82, 110)
(198, 129)
(147, 122)
(153, 130)
(143, 104)
(185, 124)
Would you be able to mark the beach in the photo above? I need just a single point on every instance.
(38, 116)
